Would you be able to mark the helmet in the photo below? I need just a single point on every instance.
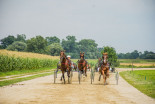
(69, 56)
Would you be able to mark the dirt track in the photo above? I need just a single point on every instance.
(43, 91)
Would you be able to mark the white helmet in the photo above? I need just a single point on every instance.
(69, 56)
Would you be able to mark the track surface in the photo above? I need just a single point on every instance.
(43, 91)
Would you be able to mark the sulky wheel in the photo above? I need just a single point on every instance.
(117, 77)
(70, 79)
(92, 76)
(55, 76)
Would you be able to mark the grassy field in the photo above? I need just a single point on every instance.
(143, 80)
(137, 63)
(136, 60)
(127, 63)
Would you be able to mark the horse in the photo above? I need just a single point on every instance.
(104, 68)
(65, 66)
(74, 66)
(82, 64)
(89, 67)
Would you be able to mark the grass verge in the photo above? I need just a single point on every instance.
(143, 80)
(8, 82)
(18, 72)
(136, 60)
(130, 66)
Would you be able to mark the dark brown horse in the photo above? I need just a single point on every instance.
(89, 67)
(65, 66)
(75, 66)
(104, 68)
(82, 64)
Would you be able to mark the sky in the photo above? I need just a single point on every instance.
(126, 25)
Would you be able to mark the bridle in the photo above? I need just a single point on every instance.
(61, 58)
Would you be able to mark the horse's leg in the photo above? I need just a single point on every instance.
(61, 78)
(57, 71)
(105, 80)
(108, 72)
(69, 75)
(68, 71)
(99, 77)
(103, 76)
(86, 71)
(84, 74)
(63, 75)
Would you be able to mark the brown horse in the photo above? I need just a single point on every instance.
(75, 66)
(65, 66)
(89, 67)
(104, 68)
(82, 64)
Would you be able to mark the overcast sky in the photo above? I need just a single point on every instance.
(126, 25)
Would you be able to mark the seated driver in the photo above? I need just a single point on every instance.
(69, 60)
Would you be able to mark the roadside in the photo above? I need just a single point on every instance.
(23, 75)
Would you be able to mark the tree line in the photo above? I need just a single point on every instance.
(52, 45)
(137, 55)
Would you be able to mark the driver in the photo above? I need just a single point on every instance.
(69, 60)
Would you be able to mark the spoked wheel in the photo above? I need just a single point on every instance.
(117, 77)
(55, 76)
(70, 78)
(79, 76)
(72, 73)
(100, 77)
(92, 76)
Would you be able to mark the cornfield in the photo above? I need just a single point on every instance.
(27, 54)
(10, 62)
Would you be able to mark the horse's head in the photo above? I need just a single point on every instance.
(62, 56)
(105, 57)
(81, 55)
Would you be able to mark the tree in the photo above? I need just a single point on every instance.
(70, 44)
(51, 40)
(112, 57)
(17, 46)
(7, 41)
(89, 47)
(54, 49)
(37, 44)
(134, 54)
(21, 37)
(99, 52)
(1, 47)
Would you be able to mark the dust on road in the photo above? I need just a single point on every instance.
(43, 91)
